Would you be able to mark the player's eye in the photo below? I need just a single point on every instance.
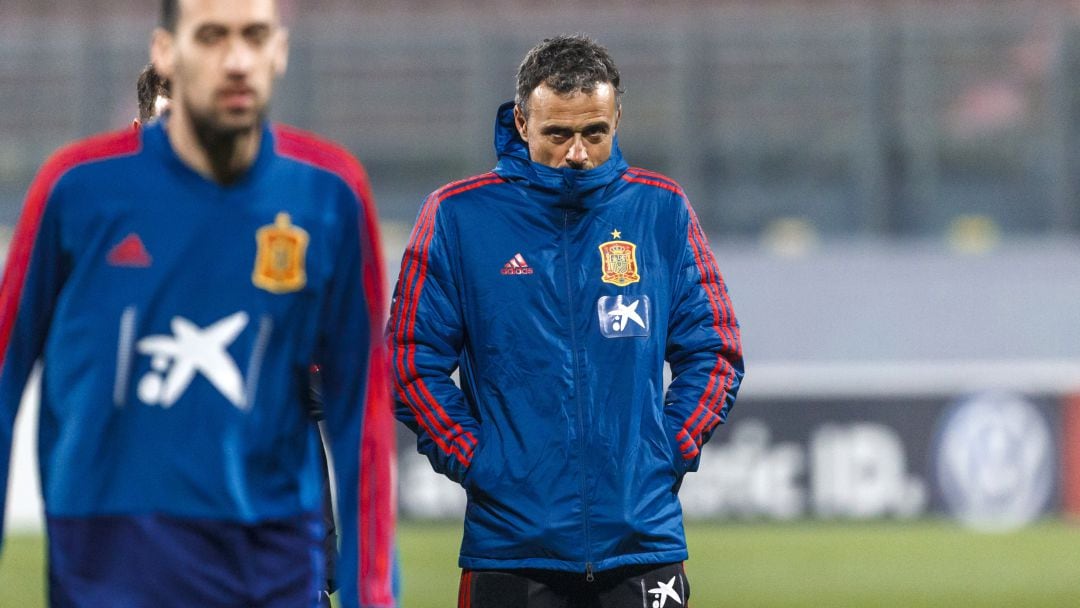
(257, 34)
(557, 135)
(595, 133)
(209, 34)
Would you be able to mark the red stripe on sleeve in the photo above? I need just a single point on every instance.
(715, 278)
(449, 435)
(378, 445)
(722, 375)
(710, 394)
(409, 393)
(100, 147)
(722, 311)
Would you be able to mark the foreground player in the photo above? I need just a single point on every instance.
(177, 281)
(378, 448)
(561, 282)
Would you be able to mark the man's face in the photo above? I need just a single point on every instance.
(573, 131)
(222, 60)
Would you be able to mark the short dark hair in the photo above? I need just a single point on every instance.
(567, 64)
(148, 88)
(170, 14)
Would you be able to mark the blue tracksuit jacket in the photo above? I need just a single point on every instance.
(177, 319)
(559, 294)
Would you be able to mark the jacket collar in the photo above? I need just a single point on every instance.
(571, 188)
(155, 136)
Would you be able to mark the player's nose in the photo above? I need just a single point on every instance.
(577, 156)
(239, 58)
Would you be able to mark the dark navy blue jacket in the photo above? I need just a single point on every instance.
(559, 294)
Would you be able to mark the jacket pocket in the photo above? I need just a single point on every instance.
(471, 475)
(675, 452)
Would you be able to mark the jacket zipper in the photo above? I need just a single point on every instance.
(577, 394)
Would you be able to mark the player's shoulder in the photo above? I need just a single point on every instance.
(665, 197)
(94, 149)
(320, 152)
(456, 189)
(644, 177)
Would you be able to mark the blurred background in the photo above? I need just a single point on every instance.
(891, 187)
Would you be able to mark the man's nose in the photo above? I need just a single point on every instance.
(239, 57)
(577, 154)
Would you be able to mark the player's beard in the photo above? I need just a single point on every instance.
(218, 138)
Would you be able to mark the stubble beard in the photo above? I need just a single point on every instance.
(216, 135)
(220, 139)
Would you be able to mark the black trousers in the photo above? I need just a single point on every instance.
(649, 586)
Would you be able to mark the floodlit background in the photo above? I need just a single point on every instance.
(892, 189)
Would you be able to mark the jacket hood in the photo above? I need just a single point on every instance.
(565, 187)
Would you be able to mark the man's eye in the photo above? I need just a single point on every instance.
(257, 36)
(209, 35)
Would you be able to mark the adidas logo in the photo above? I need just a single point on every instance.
(516, 265)
(130, 253)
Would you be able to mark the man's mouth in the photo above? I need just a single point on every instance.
(237, 98)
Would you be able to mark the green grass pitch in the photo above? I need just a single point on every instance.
(925, 563)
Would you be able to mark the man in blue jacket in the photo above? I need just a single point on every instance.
(177, 281)
(558, 284)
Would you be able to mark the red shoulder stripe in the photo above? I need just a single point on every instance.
(654, 176)
(99, 147)
(716, 386)
(710, 394)
(429, 413)
(451, 431)
(311, 149)
(713, 397)
(406, 392)
(653, 182)
(706, 415)
(716, 280)
(447, 433)
(378, 451)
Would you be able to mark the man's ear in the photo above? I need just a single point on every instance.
(281, 54)
(163, 52)
(618, 119)
(521, 123)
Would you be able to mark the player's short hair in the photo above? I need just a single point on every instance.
(170, 14)
(148, 88)
(567, 64)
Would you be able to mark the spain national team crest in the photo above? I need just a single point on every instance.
(279, 261)
(618, 261)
